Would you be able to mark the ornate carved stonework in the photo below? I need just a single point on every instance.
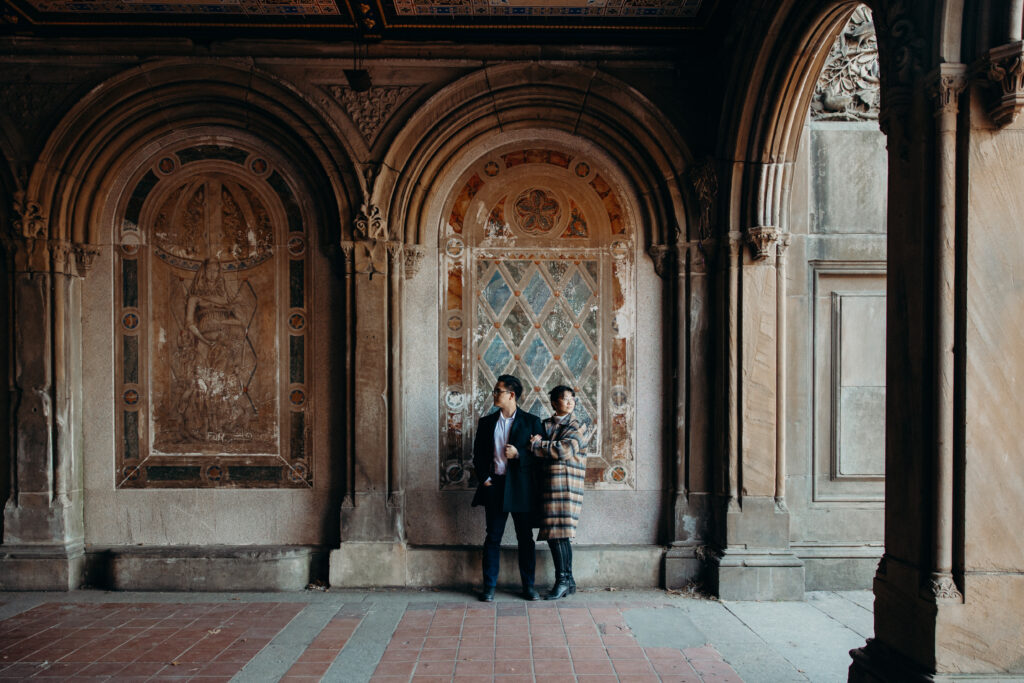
(705, 186)
(848, 88)
(762, 240)
(29, 220)
(85, 256)
(899, 35)
(943, 588)
(413, 260)
(1006, 72)
(370, 250)
(946, 86)
(661, 255)
(370, 110)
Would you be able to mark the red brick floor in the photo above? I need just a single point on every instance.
(547, 642)
(313, 663)
(141, 641)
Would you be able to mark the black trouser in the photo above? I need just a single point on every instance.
(497, 518)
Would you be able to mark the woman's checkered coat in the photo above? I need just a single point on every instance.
(562, 475)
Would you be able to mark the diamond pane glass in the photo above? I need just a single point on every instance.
(482, 399)
(591, 267)
(577, 356)
(558, 324)
(559, 378)
(517, 269)
(537, 293)
(518, 324)
(582, 414)
(557, 269)
(497, 292)
(537, 357)
(590, 324)
(576, 293)
(538, 408)
(497, 356)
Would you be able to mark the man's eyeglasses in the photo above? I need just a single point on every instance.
(498, 392)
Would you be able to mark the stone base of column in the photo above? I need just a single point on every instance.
(683, 567)
(368, 564)
(757, 575)
(41, 567)
(877, 663)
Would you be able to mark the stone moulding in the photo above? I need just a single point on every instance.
(762, 240)
(1004, 66)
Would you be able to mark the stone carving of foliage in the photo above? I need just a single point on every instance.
(370, 110)
(848, 88)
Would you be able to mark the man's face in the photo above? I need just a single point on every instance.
(503, 397)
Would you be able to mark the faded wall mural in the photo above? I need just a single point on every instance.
(212, 363)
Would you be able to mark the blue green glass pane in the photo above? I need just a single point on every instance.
(497, 356)
(537, 357)
(539, 408)
(589, 387)
(589, 324)
(576, 293)
(518, 324)
(537, 293)
(517, 269)
(484, 319)
(577, 356)
(557, 269)
(558, 324)
(591, 267)
(496, 293)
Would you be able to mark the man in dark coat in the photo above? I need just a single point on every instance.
(504, 465)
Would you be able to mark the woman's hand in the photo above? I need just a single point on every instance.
(535, 439)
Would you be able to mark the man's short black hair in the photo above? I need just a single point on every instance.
(559, 391)
(512, 383)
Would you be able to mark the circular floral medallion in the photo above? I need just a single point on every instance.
(297, 397)
(619, 398)
(491, 168)
(296, 245)
(298, 473)
(297, 321)
(131, 473)
(258, 166)
(536, 212)
(130, 248)
(617, 473)
(166, 165)
(455, 473)
(130, 321)
(582, 169)
(214, 472)
(454, 323)
(131, 397)
(455, 400)
(454, 247)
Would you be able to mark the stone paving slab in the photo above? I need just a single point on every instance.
(411, 636)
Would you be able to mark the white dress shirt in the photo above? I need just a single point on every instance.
(501, 429)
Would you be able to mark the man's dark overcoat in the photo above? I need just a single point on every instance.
(521, 494)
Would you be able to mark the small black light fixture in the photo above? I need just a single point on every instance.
(358, 79)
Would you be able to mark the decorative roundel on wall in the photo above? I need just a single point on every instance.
(131, 473)
(258, 166)
(214, 472)
(456, 473)
(620, 249)
(166, 165)
(296, 245)
(455, 400)
(620, 398)
(454, 323)
(297, 321)
(582, 169)
(454, 247)
(130, 321)
(617, 473)
(492, 168)
(536, 211)
(131, 397)
(297, 397)
(130, 248)
(298, 472)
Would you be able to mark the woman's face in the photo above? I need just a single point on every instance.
(564, 404)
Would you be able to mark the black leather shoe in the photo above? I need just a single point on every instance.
(487, 594)
(530, 594)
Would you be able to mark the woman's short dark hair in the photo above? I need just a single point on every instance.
(512, 383)
(557, 392)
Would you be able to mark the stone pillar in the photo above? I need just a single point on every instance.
(950, 588)
(44, 528)
(372, 551)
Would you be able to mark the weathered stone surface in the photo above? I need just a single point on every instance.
(210, 568)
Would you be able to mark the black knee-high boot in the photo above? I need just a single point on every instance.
(563, 586)
(556, 560)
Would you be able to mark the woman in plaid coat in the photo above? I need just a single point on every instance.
(564, 467)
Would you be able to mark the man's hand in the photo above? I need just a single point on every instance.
(510, 452)
(488, 483)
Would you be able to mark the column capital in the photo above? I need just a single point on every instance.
(661, 254)
(40, 255)
(414, 254)
(762, 240)
(1004, 66)
(944, 86)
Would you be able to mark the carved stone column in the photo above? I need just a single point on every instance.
(44, 527)
(372, 551)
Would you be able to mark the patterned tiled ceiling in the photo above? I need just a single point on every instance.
(370, 19)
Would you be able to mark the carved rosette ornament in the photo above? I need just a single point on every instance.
(762, 241)
(1006, 73)
(848, 89)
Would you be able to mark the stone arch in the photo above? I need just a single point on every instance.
(70, 179)
(583, 102)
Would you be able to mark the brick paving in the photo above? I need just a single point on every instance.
(464, 641)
